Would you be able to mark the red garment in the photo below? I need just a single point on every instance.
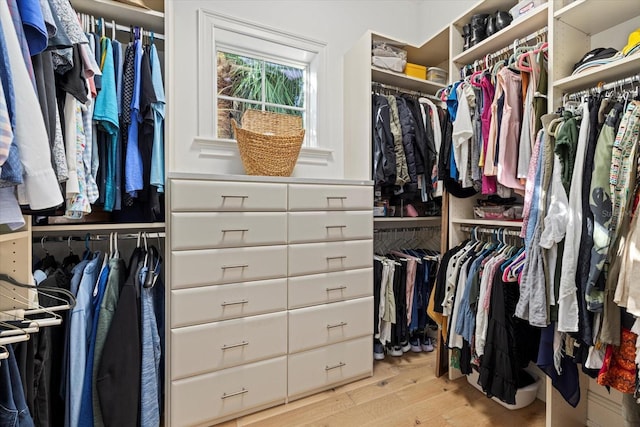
(619, 368)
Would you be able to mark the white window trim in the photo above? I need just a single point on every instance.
(208, 23)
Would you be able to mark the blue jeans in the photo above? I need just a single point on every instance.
(13, 405)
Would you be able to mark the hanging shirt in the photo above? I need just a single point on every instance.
(462, 132)
(40, 189)
(157, 157)
(133, 161)
(106, 114)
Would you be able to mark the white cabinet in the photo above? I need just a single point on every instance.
(263, 271)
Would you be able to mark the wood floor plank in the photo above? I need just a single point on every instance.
(402, 392)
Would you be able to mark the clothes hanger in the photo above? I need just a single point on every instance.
(71, 302)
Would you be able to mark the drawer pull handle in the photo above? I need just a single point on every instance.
(244, 301)
(234, 197)
(227, 267)
(337, 325)
(337, 288)
(339, 365)
(227, 347)
(335, 226)
(235, 230)
(341, 257)
(336, 197)
(236, 393)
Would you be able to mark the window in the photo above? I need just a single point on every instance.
(256, 67)
(247, 82)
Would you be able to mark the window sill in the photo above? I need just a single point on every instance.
(228, 148)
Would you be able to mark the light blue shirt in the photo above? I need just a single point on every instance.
(81, 320)
(157, 154)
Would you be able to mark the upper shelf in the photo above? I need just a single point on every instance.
(486, 222)
(485, 6)
(394, 222)
(519, 28)
(84, 228)
(594, 16)
(122, 13)
(406, 82)
(605, 73)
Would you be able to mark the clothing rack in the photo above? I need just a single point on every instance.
(512, 47)
(88, 237)
(617, 84)
(407, 229)
(92, 21)
(506, 232)
(375, 85)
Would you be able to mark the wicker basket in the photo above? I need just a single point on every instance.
(269, 143)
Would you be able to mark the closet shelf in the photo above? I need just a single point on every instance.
(594, 16)
(486, 6)
(519, 28)
(81, 229)
(123, 14)
(402, 80)
(433, 52)
(486, 222)
(607, 73)
(7, 237)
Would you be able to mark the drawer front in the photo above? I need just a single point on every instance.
(217, 266)
(329, 323)
(205, 348)
(194, 195)
(203, 230)
(201, 400)
(328, 226)
(212, 303)
(311, 258)
(330, 287)
(322, 367)
(304, 197)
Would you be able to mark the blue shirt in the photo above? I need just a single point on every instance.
(35, 30)
(81, 319)
(86, 404)
(157, 154)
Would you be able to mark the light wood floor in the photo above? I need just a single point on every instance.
(402, 392)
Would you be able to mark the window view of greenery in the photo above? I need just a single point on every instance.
(245, 82)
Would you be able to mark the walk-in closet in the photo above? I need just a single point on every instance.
(337, 213)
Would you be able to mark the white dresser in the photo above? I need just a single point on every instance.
(270, 292)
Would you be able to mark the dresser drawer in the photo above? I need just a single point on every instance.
(212, 303)
(321, 368)
(194, 195)
(311, 258)
(327, 226)
(204, 230)
(206, 348)
(329, 323)
(217, 266)
(203, 399)
(330, 287)
(303, 197)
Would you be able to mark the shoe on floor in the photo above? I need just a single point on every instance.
(426, 344)
(405, 346)
(415, 345)
(395, 350)
(378, 350)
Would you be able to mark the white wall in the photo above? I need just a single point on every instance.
(337, 23)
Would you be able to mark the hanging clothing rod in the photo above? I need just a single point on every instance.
(95, 237)
(93, 21)
(617, 84)
(483, 230)
(515, 44)
(404, 229)
(375, 85)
